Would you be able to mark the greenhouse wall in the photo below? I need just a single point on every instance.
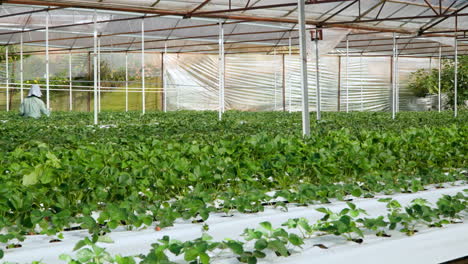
(252, 82)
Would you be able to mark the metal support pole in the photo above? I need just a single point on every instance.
(143, 90)
(165, 79)
(317, 80)
(7, 78)
(47, 62)
(440, 79)
(275, 80)
(221, 70)
(393, 77)
(304, 84)
(21, 68)
(95, 65)
(397, 80)
(126, 81)
(339, 85)
(70, 79)
(283, 80)
(455, 82)
(99, 73)
(289, 77)
(361, 83)
(347, 75)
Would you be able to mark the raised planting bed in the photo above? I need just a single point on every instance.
(427, 245)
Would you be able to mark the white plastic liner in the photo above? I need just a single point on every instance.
(433, 245)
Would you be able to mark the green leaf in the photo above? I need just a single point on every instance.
(84, 255)
(105, 239)
(204, 258)
(206, 237)
(261, 244)
(279, 247)
(323, 210)
(351, 205)
(79, 245)
(259, 254)
(356, 193)
(235, 246)
(354, 213)
(280, 232)
(267, 226)
(113, 224)
(65, 257)
(124, 260)
(31, 178)
(191, 254)
(296, 240)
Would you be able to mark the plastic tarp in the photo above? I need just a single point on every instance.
(255, 82)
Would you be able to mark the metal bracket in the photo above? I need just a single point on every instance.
(316, 34)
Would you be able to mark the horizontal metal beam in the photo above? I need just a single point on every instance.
(453, 14)
(243, 9)
(30, 12)
(392, 19)
(217, 16)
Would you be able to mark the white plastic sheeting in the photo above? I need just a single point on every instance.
(445, 243)
(253, 82)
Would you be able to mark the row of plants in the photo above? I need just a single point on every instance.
(426, 81)
(190, 125)
(266, 240)
(57, 173)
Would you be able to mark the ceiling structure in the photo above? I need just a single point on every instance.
(421, 27)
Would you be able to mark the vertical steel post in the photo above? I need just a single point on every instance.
(47, 62)
(7, 75)
(393, 77)
(397, 79)
(99, 72)
(70, 79)
(339, 85)
(361, 83)
(95, 73)
(126, 81)
(317, 78)
(275, 80)
(283, 81)
(21, 69)
(165, 79)
(289, 77)
(221, 70)
(440, 79)
(455, 82)
(143, 95)
(347, 75)
(304, 84)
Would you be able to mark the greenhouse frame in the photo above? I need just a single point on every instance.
(233, 131)
(345, 30)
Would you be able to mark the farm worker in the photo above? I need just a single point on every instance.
(33, 106)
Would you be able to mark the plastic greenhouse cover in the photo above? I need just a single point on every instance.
(253, 82)
(207, 34)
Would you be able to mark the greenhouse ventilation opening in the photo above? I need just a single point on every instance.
(166, 55)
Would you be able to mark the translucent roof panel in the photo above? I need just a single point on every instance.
(188, 25)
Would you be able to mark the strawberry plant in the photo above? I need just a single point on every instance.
(276, 240)
(341, 224)
(136, 171)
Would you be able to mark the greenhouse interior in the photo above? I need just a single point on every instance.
(233, 131)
